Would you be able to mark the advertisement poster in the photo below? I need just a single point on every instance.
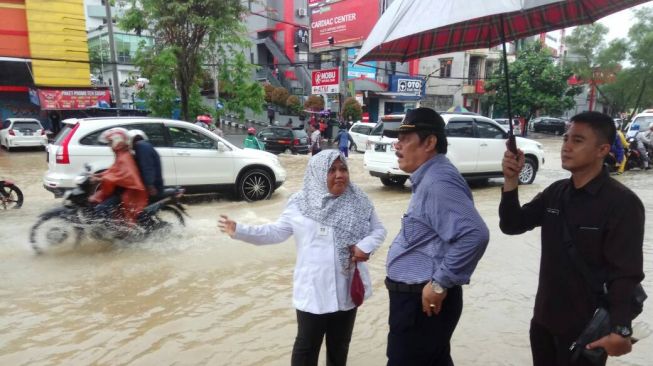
(325, 81)
(349, 22)
(367, 69)
(62, 99)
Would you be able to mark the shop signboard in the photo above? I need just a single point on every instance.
(406, 84)
(349, 22)
(67, 99)
(325, 81)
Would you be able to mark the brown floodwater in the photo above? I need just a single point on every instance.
(199, 298)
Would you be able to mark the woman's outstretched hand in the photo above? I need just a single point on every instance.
(227, 226)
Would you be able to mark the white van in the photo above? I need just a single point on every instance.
(644, 120)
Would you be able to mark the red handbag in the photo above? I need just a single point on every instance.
(357, 289)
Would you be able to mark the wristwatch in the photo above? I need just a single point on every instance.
(437, 288)
(623, 330)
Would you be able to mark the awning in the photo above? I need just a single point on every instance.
(69, 99)
(397, 96)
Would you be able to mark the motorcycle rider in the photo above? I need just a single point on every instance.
(251, 141)
(641, 141)
(149, 163)
(121, 184)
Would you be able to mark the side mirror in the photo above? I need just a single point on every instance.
(220, 146)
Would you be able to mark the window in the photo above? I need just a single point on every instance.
(365, 130)
(460, 129)
(445, 67)
(487, 130)
(190, 139)
(26, 126)
(284, 133)
(6, 124)
(266, 133)
(474, 70)
(155, 132)
(91, 139)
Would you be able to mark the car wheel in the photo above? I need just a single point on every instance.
(394, 181)
(255, 185)
(527, 174)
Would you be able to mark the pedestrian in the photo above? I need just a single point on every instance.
(271, 114)
(619, 150)
(522, 125)
(442, 238)
(588, 218)
(343, 139)
(315, 139)
(251, 142)
(336, 230)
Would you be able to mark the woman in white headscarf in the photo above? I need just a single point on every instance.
(335, 229)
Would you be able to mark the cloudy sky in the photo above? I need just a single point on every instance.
(619, 23)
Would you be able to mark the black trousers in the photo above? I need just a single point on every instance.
(311, 329)
(416, 339)
(553, 350)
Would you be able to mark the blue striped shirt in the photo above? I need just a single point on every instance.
(442, 235)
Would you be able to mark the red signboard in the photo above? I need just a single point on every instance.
(60, 99)
(480, 86)
(325, 81)
(349, 22)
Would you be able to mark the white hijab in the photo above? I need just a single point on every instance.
(348, 214)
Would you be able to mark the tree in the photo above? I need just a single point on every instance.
(293, 104)
(183, 28)
(315, 103)
(160, 94)
(352, 109)
(641, 56)
(269, 89)
(242, 92)
(536, 84)
(280, 96)
(98, 56)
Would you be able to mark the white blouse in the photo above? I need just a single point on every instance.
(320, 284)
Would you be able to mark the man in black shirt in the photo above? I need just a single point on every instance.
(606, 222)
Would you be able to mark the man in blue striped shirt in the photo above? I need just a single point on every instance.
(442, 238)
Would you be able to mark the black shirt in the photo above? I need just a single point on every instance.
(606, 222)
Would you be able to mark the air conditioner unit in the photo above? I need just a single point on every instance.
(301, 12)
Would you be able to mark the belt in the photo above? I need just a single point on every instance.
(404, 287)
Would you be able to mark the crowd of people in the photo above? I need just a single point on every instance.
(442, 239)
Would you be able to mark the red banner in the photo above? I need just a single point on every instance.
(325, 81)
(60, 99)
(349, 22)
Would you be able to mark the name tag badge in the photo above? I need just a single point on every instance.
(322, 231)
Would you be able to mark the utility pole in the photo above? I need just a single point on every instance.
(112, 49)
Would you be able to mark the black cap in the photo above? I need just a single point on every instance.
(419, 119)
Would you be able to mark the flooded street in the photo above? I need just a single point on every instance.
(200, 298)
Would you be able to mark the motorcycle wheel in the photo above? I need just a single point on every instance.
(54, 233)
(168, 219)
(11, 197)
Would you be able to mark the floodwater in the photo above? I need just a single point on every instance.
(200, 298)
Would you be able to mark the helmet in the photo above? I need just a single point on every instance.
(136, 133)
(114, 137)
(251, 130)
(204, 118)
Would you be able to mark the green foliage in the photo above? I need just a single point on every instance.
(188, 29)
(536, 84)
(280, 96)
(352, 109)
(160, 94)
(293, 104)
(315, 103)
(242, 93)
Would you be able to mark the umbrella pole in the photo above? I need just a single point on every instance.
(512, 144)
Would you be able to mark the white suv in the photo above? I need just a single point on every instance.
(191, 156)
(476, 147)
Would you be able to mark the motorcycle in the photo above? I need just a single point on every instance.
(10, 195)
(635, 158)
(66, 226)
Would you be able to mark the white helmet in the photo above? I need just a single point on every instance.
(115, 136)
(134, 133)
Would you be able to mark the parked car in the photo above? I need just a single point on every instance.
(360, 132)
(516, 128)
(644, 120)
(476, 148)
(22, 132)
(284, 139)
(557, 126)
(191, 157)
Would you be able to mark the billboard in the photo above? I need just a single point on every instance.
(59, 99)
(367, 69)
(325, 81)
(406, 84)
(349, 22)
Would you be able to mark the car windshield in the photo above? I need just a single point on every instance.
(386, 124)
(300, 133)
(26, 125)
(644, 122)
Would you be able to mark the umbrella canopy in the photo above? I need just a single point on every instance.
(405, 32)
(458, 109)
